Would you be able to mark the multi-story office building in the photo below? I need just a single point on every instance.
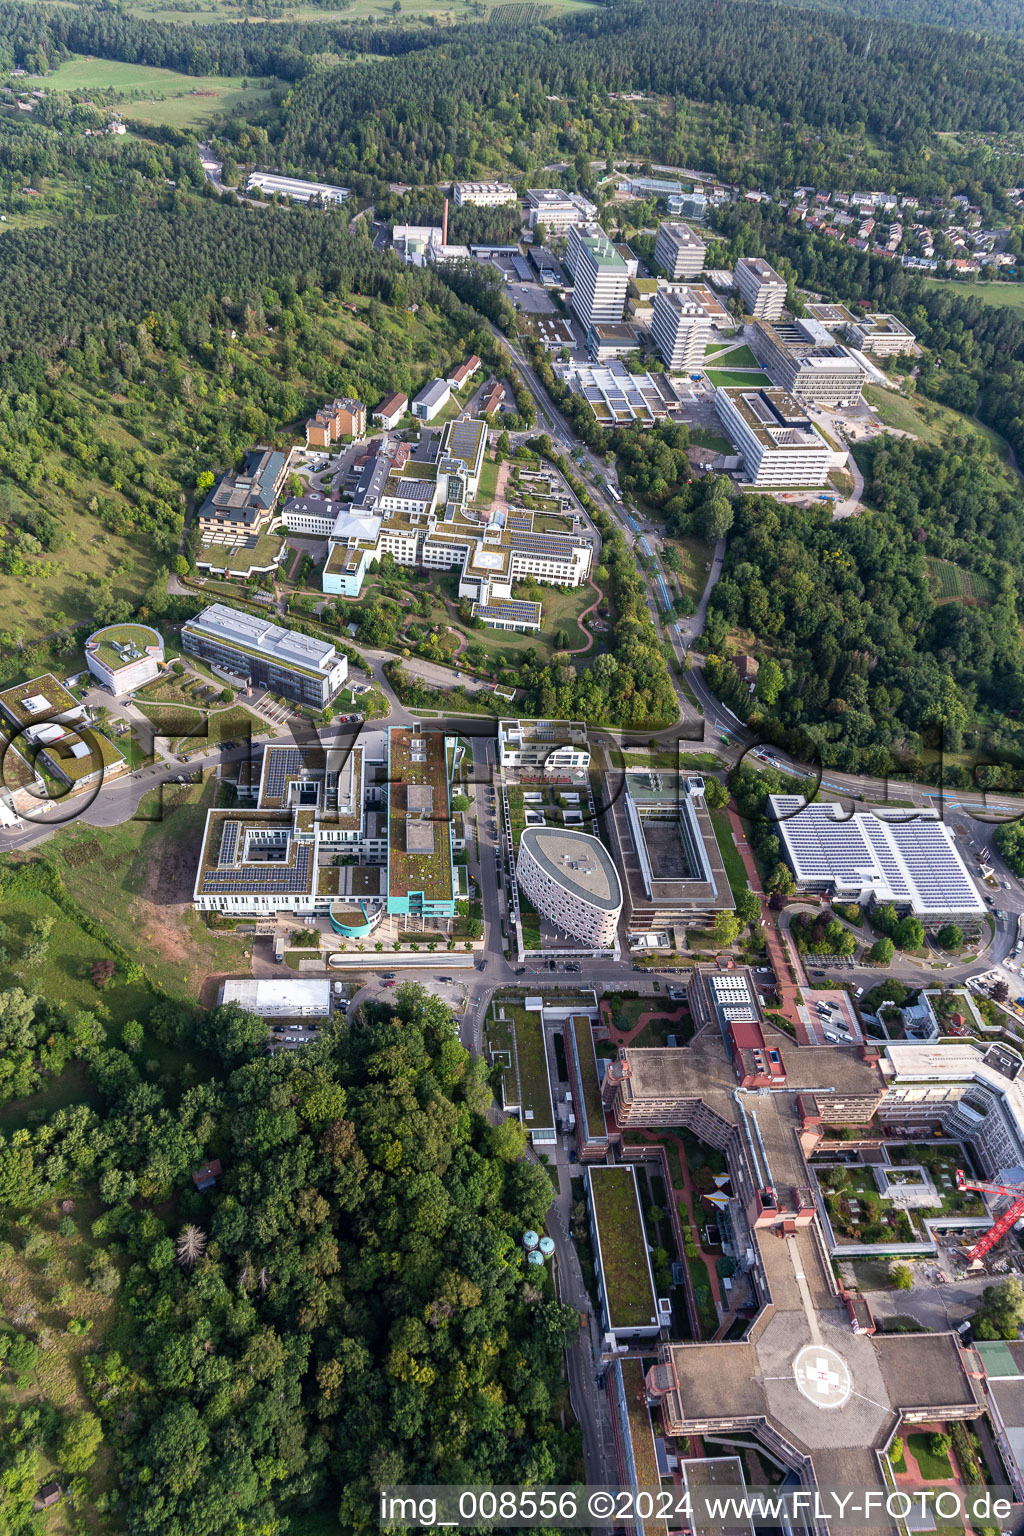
(625, 1281)
(263, 655)
(432, 398)
(668, 855)
(484, 194)
(882, 335)
(806, 360)
(678, 251)
(681, 328)
(777, 441)
(760, 287)
(543, 746)
(557, 211)
(600, 276)
(571, 880)
(618, 397)
(607, 342)
(352, 834)
(51, 732)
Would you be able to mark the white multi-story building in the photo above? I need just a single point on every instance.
(263, 655)
(678, 251)
(681, 328)
(543, 746)
(975, 1095)
(805, 359)
(557, 211)
(124, 656)
(571, 880)
(778, 443)
(600, 276)
(484, 194)
(883, 335)
(760, 287)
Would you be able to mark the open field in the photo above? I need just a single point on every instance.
(164, 95)
(1009, 295)
(728, 356)
(930, 421)
(137, 880)
(952, 583)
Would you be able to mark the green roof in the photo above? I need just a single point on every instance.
(622, 1247)
(102, 643)
(591, 1109)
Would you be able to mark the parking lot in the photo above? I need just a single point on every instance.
(829, 1018)
(532, 299)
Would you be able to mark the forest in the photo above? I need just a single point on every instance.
(348, 1306)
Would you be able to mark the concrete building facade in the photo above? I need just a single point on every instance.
(680, 328)
(760, 287)
(678, 251)
(571, 880)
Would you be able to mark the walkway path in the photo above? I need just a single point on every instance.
(627, 1036)
(581, 650)
(777, 954)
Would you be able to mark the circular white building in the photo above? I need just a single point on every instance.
(571, 880)
(124, 656)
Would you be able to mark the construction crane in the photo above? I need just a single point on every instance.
(1002, 1224)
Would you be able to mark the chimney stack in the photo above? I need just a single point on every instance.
(444, 224)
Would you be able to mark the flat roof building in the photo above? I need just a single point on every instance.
(806, 360)
(123, 657)
(263, 655)
(556, 210)
(668, 855)
(760, 287)
(605, 342)
(872, 857)
(678, 251)
(618, 397)
(882, 335)
(776, 438)
(571, 880)
(681, 328)
(600, 277)
(625, 1281)
(421, 880)
(321, 192)
(305, 997)
(484, 194)
(543, 746)
(592, 1138)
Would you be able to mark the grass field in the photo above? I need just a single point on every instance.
(933, 1468)
(730, 853)
(728, 356)
(165, 96)
(725, 378)
(1008, 295)
(952, 583)
(930, 421)
(137, 880)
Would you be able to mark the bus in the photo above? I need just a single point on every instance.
(612, 492)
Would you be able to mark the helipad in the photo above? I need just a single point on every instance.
(822, 1375)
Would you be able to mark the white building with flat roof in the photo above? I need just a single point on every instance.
(875, 857)
(778, 442)
(305, 997)
(543, 746)
(681, 328)
(298, 191)
(882, 335)
(760, 287)
(600, 276)
(484, 194)
(571, 880)
(300, 667)
(556, 210)
(678, 251)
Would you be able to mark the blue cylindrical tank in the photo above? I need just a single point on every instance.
(530, 1239)
(547, 1246)
(534, 1258)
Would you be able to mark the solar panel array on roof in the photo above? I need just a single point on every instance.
(906, 861)
(228, 843)
(271, 879)
(520, 612)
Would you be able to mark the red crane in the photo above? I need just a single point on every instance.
(1002, 1224)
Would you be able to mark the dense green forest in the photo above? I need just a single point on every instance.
(349, 1306)
(996, 16)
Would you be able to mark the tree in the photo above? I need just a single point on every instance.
(726, 928)
(896, 1451)
(748, 906)
(715, 794)
(226, 696)
(950, 936)
(909, 933)
(769, 681)
(901, 1275)
(1001, 1312)
(882, 951)
(79, 1443)
(190, 1246)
